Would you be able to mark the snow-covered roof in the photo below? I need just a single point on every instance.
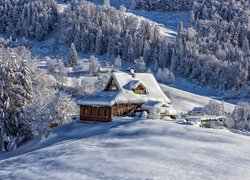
(197, 109)
(204, 118)
(125, 83)
(132, 84)
(161, 107)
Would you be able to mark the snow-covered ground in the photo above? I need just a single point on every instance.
(131, 149)
(184, 101)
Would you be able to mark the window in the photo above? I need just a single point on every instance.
(85, 111)
(105, 113)
(114, 88)
(92, 112)
(140, 89)
(98, 112)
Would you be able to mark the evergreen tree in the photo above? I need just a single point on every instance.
(118, 63)
(72, 59)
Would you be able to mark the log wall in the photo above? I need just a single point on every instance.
(123, 109)
(97, 114)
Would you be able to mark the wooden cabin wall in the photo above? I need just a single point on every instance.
(123, 109)
(97, 114)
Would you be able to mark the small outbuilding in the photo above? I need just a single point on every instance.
(207, 121)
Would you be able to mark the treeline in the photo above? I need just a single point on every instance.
(103, 29)
(32, 19)
(215, 50)
(164, 5)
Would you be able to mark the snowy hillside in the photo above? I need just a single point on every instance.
(184, 101)
(152, 149)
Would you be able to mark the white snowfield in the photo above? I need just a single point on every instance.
(184, 101)
(131, 149)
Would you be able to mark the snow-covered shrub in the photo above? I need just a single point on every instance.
(32, 19)
(165, 75)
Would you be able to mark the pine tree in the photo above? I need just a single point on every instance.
(118, 63)
(15, 94)
(72, 59)
(94, 65)
(106, 3)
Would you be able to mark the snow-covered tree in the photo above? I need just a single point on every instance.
(118, 63)
(106, 3)
(214, 108)
(32, 19)
(94, 65)
(217, 44)
(241, 116)
(61, 108)
(165, 75)
(15, 93)
(72, 59)
(140, 65)
(103, 29)
(163, 5)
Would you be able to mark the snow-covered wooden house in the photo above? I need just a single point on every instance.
(124, 95)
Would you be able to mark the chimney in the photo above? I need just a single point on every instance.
(132, 72)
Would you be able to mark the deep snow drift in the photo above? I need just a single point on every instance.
(131, 149)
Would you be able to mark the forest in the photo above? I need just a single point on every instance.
(215, 49)
(164, 5)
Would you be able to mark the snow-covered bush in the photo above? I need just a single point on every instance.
(32, 19)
